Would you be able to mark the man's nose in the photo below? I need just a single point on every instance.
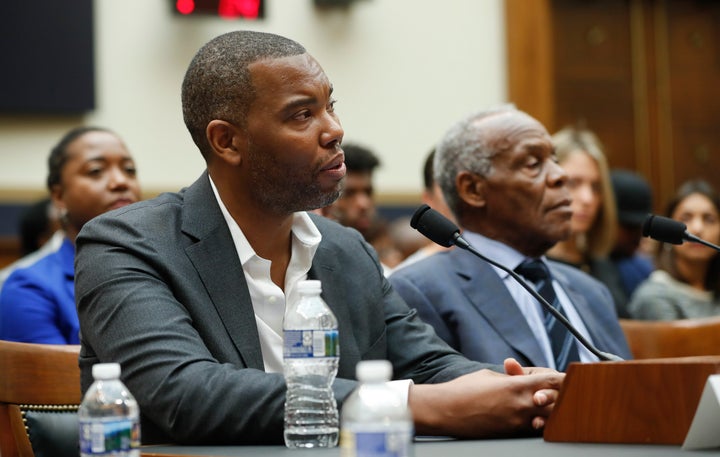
(556, 175)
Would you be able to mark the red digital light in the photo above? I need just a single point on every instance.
(248, 9)
(185, 6)
(226, 9)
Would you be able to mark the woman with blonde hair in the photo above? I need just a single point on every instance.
(594, 220)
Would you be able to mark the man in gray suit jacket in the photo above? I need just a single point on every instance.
(498, 174)
(183, 290)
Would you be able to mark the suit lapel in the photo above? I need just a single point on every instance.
(325, 267)
(583, 308)
(487, 293)
(218, 265)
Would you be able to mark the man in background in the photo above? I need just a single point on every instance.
(633, 198)
(356, 208)
(356, 205)
(433, 197)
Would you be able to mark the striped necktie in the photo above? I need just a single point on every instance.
(562, 342)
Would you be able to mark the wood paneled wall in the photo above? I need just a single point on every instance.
(643, 74)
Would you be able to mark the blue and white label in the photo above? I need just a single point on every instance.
(310, 343)
(118, 438)
(388, 443)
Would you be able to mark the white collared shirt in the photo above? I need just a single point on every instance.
(529, 307)
(267, 298)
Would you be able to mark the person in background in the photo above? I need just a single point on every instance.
(433, 197)
(380, 237)
(37, 225)
(356, 205)
(90, 171)
(187, 291)
(633, 201)
(686, 283)
(594, 221)
(406, 239)
(499, 176)
(40, 235)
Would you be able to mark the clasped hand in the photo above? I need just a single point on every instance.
(487, 404)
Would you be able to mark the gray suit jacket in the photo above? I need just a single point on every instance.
(160, 289)
(470, 307)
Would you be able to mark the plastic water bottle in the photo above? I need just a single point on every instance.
(311, 354)
(109, 416)
(376, 421)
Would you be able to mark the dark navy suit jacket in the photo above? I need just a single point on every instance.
(470, 307)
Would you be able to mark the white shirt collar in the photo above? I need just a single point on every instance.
(303, 229)
(497, 251)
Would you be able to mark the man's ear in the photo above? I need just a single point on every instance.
(227, 141)
(471, 188)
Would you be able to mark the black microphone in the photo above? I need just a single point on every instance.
(670, 231)
(444, 232)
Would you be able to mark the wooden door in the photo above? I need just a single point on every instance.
(643, 74)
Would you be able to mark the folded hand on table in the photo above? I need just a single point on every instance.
(485, 403)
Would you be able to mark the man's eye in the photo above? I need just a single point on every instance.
(331, 105)
(302, 115)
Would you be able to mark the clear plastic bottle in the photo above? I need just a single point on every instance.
(311, 354)
(109, 417)
(376, 421)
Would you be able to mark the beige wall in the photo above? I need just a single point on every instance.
(403, 71)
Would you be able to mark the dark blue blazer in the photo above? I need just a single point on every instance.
(470, 307)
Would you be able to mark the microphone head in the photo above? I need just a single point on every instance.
(664, 229)
(435, 226)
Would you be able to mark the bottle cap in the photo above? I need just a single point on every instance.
(106, 370)
(373, 371)
(309, 286)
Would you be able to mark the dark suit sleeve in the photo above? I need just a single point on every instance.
(132, 307)
(417, 299)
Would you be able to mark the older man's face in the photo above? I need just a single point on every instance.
(527, 199)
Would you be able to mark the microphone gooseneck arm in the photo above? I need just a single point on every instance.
(442, 231)
(604, 356)
(694, 239)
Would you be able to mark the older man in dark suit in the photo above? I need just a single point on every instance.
(498, 173)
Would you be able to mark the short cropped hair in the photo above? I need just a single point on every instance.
(465, 148)
(359, 159)
(217, 84)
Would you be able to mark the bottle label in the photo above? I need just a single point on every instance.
(110, 437)
(388, 443)
(310, 343)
